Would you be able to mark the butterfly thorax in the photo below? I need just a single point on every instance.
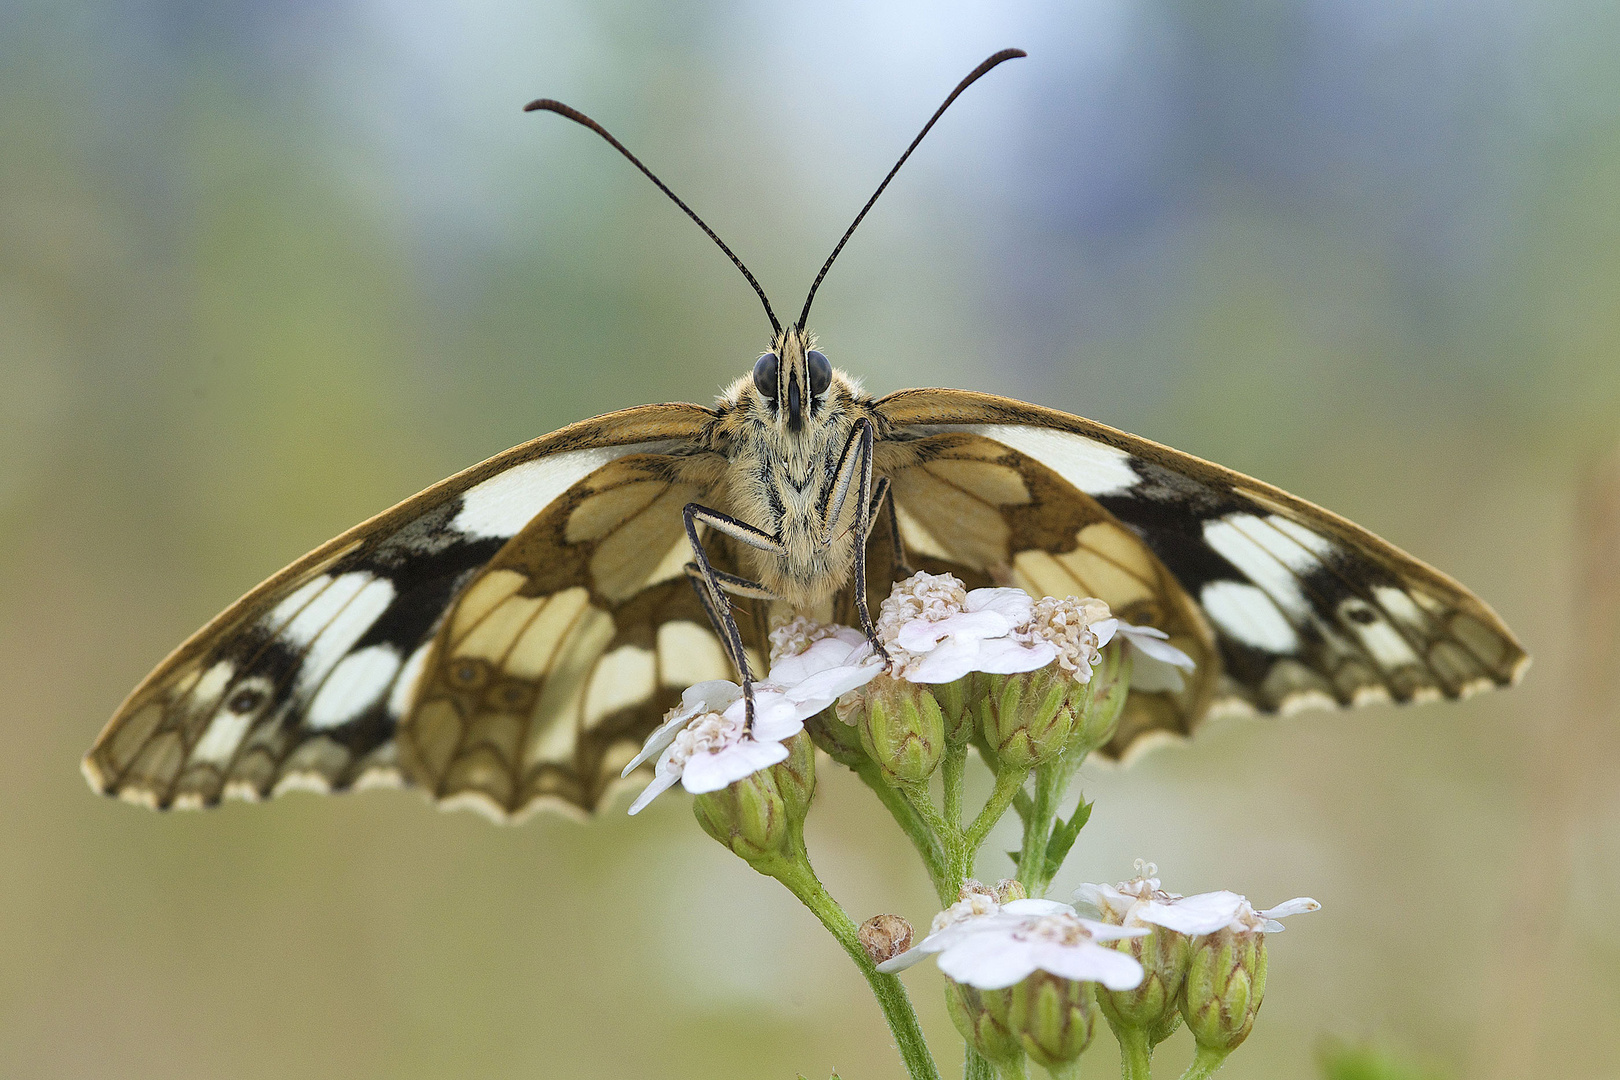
(780, 476)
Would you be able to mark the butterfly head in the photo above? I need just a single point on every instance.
(792, 383)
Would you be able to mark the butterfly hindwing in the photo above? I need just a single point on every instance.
(302, 682)
(561, 657)
(1303, 607)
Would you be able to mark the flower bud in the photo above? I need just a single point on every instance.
(957, 701)
(901, 728)
(837, 736)
(1226, 981)
(761, 816)
(981, 1017)
(1010, 889)
(1152, 1006)
(1027, 717)
(884, 937)
(1052, 1017)
(1097, 716)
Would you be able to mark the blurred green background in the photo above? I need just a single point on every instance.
(266, 269)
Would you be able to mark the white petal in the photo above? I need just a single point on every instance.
(1153, 642)
(990, 960)
(711, 772)
(828, 652)
(661, 783)
(909, 958)
(816, 692)
(1014, 605)
(948, 662)
(1297, 906)
(1004, 656)
(1091, 963)
(712, 696)
(1105, 630)
(1204, 913)
(921, 635)
(1036, 907)
(1150, 675)
(1102, 931)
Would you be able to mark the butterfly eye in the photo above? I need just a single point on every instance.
(765, 375)
(820, 372)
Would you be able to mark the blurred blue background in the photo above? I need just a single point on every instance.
(266, 269)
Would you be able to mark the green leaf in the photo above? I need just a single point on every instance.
(1355, 1061)
(1064, 834)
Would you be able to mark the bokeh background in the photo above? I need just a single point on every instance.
(266, 269)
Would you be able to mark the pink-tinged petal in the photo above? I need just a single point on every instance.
(661, 783)
(1014, 605)
(990, 960)
(711, 772)
(1090, 963)
(1004, 656)
(1204, 913)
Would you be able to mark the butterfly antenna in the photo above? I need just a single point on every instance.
(973, 76)
(578, 117)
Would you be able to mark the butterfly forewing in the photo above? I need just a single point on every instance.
(302, 682)
(1303, 607)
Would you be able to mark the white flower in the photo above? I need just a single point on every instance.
(1205, 913)
(935, 631)
(814, 663)
(993, 946)
(704, 744)
(1156, 659)
(1069, 623)
(1141, 901)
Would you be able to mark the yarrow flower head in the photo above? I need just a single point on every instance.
(936, 631)
(992, 945)
(703, 743)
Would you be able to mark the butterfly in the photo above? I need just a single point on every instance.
(508, 638)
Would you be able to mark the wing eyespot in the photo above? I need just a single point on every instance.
(245, 700)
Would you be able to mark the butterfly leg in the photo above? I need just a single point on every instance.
(712, 585)
(883, 494)
(855, 468)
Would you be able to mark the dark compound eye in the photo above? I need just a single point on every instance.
(820, 372)
(765, 375)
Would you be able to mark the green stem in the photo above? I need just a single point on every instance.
(1204, 1063)
(889, 991)
(1009, 782)
(976, 1067)
(916, 829)
(1038, 826)
(1135, 1055)
(951, 772)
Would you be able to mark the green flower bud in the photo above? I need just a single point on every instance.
(1226, 981)
(1097, 717)
(836, 737)
(901, 728)
(761, 817)
(1152, 1006)
(956, 703)
(1052, 1017)
(1027, 718)
(981, 1016)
